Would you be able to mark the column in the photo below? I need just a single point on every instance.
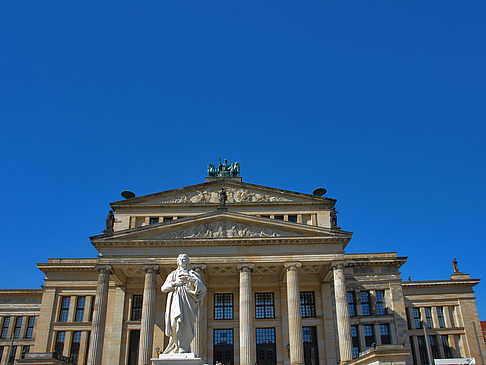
(246, 325)
(99, 315)
(148, 315)
(200, 329)
(295, 325)
(342, 313)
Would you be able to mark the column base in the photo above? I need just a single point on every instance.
(177, 359)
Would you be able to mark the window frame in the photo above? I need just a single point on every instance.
(264, 307)
(64, 304)
(136, 311)
(223, 308)
(307, 304)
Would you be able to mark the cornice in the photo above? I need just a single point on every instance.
(7, 292)
(470, 282)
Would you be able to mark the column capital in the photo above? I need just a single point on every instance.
(103, 268)
(292, 265)
(245, 266)
(151, 268)
(338, 264)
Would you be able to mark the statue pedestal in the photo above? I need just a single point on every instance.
(177, 359)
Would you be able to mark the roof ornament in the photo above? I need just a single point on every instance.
(109, 222)
(224, 169)
(455, 266)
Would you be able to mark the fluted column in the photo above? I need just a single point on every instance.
(148, 315)
(294, 313)
(342, 313)
(99, 315)
(246, 327)
(200, 328)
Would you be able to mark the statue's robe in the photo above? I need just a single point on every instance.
(181, 311)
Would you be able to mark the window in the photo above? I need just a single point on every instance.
(293, 218)
(440, 316)
(137, 301)
(80, 309)
(351, 304)
(1, 352)
(154, 220)
(133, 343)
(380, 302)
(279, 217)
(87, 348)
(412, 348)
(223, 346)
(59, 345)
(265, 216)
(369, 336)
(18, 326)
(25, 350)
(168, 219)
(63, 313)
(6, 322)
(428, 317)
(75, 344)
(445, 345)
(311, 355)
(434, 346)
(422, 350)
(307, 304)
(11, 358)
(355, 341)
(91, 310)
(417, 318)
(264, 307)
(30, 327)
(364, 298)
(265, 348)
(223, 306)
(385, 334)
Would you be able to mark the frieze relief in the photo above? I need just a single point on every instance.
(234, 196)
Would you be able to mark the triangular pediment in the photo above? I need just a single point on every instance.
(208, 193)
(221, 225)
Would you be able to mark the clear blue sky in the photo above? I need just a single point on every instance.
(382, 103)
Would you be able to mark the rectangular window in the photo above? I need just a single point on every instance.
(18, 326)
(364, 298)
(1, 352)
(311, 355)
(154, 220)
(168, 219)
(223, 306)
(91, 309)
(422, 350)
(412, 348)
(417, 319)
(279, 217)
(369, 335)
(25, 350)
(428, 317)
(265, 348)
(13, 352)
(133, 343)
(440, 316)
(307, 304)
(380, 302)
(434, 347)
(75, 345)
(385, 334)
(80, 303)
(59, 345)
(223, 346)
(355, 341)
(30, 327)
(264, 307)
(6, 322)
(445, 345)
(63, 313)
(293, 218)
(265, 216)
(137, 301)
(351, 304)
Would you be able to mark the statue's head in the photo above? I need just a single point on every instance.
(183, 260)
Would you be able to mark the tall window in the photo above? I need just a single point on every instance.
(59, 345)
(412, 348)
(1, 352)
(137, 301)
(355, 341)
(91, 309)
(6, 322)
(417, 318)
(364, 298)
(385, 334)
(30, 327)
(434, 346)
(25, 350)
(369, 335)
(264, 307)
(75, 344)
(311, 355)
(428, 317)
(18, 326)
(265, 346)
(133, 343)
(63, 313)
(307, 304)
(223, 306)
(11, 358)
(380, 302)
(80, 303)
(223, 346)
(445, 345)
(440, 316)
(422, 350)
(351, 304)
(154, 220)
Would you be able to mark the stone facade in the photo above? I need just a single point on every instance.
(281, 289)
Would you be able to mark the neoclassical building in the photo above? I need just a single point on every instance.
(281, 289)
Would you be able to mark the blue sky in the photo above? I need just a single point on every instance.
(382, 103)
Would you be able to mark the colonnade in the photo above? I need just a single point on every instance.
(245, 311)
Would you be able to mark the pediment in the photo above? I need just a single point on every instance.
(221, 225)
(208, 193)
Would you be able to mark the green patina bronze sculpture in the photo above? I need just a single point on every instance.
(224, 169)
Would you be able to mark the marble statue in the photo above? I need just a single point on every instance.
(186, 292)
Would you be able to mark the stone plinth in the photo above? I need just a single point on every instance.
(177, 359)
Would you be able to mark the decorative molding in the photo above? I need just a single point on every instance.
(245, 267)
(292, 265)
